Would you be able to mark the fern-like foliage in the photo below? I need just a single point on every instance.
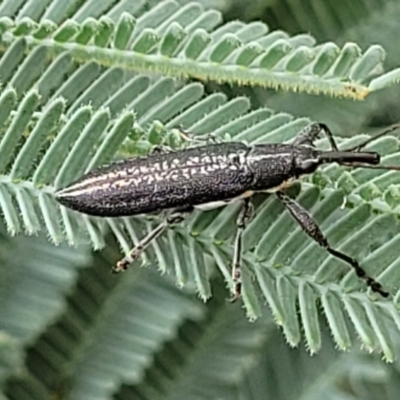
(339, 21)
(90, 137)
(185, 42)
(86, 83)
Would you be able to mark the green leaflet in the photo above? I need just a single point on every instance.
(233, 53)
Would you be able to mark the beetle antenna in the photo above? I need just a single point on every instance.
(374, 137)
(365, 143)
(370, 166)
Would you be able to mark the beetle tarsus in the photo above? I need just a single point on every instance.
(120, 266)
(236, 294)
(310, 227)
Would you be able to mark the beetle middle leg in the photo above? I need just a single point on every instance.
(309, 226)
(160, 148)
(191, 137)
(241, 222)
(175, 217)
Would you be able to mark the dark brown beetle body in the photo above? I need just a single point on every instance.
(203, 177)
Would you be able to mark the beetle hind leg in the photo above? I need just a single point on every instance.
(310, 227)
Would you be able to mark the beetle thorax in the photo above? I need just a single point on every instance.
(276, 165)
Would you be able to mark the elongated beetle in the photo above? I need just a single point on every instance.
(211, 176)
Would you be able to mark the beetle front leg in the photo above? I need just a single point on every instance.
(174, 218)
(243, 218)
(310, 227)
(311, 132)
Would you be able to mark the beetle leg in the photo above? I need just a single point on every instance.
(160, 148)
(241, 222)
(369, 166)
(310, 227)
(191, 137)
(174, 218)
(312, 132)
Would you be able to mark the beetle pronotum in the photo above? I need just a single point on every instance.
(211, 176)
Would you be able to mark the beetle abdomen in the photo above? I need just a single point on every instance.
(160, 181)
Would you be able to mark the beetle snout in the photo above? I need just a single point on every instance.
(350, 157)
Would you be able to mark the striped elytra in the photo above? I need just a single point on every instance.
(199, 176)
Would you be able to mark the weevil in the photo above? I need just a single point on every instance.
(213, 175)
